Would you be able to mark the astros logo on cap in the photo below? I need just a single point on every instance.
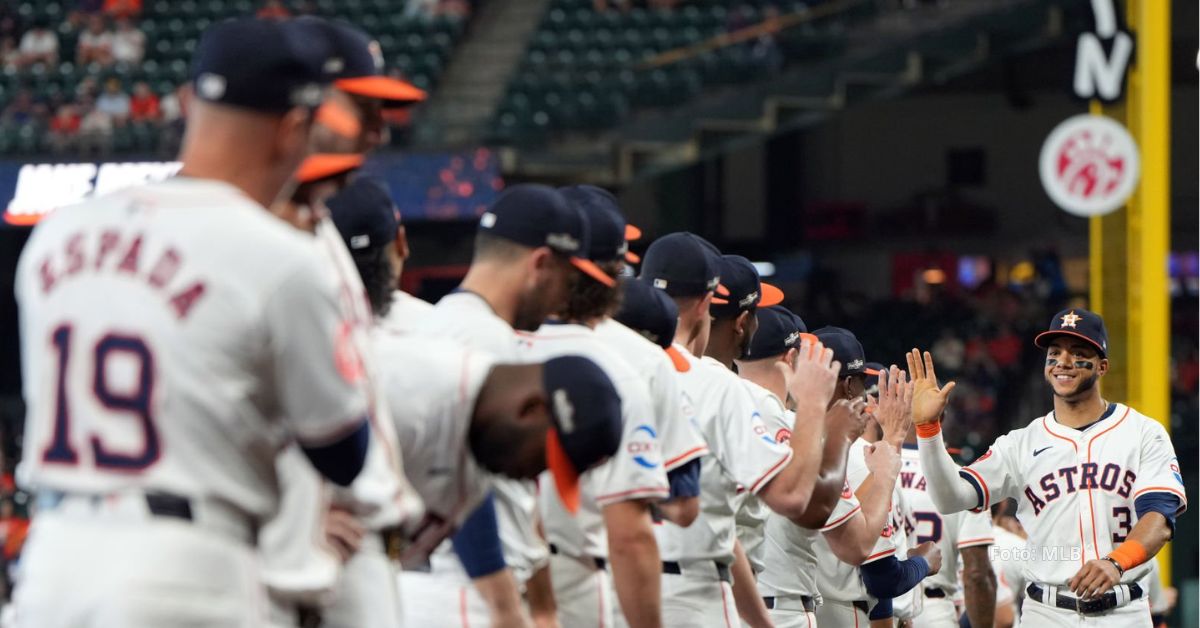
(1069, 320)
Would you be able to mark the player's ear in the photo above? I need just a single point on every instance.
(743, 320)
(1102, 367)
(401, 243)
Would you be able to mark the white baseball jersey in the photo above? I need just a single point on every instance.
(172, 336)
(790, 551)
(742, 452)
(1075, 489)
(431, 386)
(407, 313)
(467, 318)
(634, 472)
(951, 532)
(681, 441)
(1007, 555)
(752, 513)
(836, 580)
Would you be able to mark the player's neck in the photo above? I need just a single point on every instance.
(1077, 413)
(722, 350)
(765, 374)
(684, 335)
(493, 289)
(250, 182)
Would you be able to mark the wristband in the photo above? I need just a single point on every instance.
(929, 430)
(1129, 554)
(1120, 569)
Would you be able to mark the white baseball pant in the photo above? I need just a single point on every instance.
(788, 612)
(581, 592)
(833, 614)
(697, 598)
(442, 598)
(938, 612)
(368, 594)
(126, 568)
(1135, 614)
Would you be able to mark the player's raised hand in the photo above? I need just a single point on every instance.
(932, 555)
(928, 400)
(1095, 578)
(894, 410)
(813, 376)
(882, 459)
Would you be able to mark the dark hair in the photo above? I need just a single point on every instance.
(588, 298)
(492, 247)
(378, 277)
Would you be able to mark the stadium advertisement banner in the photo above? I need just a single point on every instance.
(425, 186)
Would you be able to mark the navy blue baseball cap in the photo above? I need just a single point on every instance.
(1080, 323)
(607, 225)
(846, 349)
(746, 290)
(684, 265)
(536, 215)
(779, 330)
(361, 68)
(263, 65)
(586, 411)
(653, 314)
(364, 214)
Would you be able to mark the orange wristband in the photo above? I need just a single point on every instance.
(929, 430)
(1129, 554)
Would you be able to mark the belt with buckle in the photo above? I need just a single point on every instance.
(600, 563)
(673, 567)
(1105, 602)
(934, 592)
(790, 603)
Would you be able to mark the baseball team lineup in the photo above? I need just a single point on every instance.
(235, 417)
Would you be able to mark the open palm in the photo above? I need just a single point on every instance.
(928, 400)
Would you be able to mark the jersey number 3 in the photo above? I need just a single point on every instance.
(133, 402)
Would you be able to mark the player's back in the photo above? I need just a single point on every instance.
(160, 330)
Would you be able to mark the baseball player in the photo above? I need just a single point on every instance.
(1097, 483)
(856, 595)
(787, 582)
(162, 348)
(697, 559)
(527, 249)
(1007, 553)
(965, 540)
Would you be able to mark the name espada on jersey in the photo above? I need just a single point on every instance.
(1077, 488)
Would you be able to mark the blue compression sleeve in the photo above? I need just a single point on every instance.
(685, 479)
(341, 461)
(477, 542)
(889, 578)
(882, 610)
(1165, 504)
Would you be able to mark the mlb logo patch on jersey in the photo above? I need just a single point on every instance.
(1176, 472)
(783, 435)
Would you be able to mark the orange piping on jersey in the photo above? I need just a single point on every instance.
(1168, 489)
(600, 593)
(1049, 431)
(770, 472)
(854, 610)
(983, 540)
(724, 607)
(1091, 504)
(648, 491)
(987, 494)
(833, 524)
(879, 555)
(695, 451)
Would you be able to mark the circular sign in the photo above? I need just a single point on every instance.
(1089, 165)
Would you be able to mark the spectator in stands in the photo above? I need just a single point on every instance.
(123, 8)
(95, 130)
(64, 129)
(129, 43)
(143, 106)
(174, 109)
(114, 102)
(10, 21)
(10, 56)
(95, 43)
(39, 45)
(87, 87)
(21, 110)
(948, 352)
(273, 10)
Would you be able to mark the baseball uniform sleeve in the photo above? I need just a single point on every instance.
(318, 371)
(681, 441)
(636, 470)
(843, 510)
(974, 529)
(1158, 468)
(995, 475)
(749, 454)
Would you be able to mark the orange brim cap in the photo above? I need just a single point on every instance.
(324, 165)
(632, 258)
(724, 292)
(872, 372)
(566, 478)
(770, 295)
(589, 268)
(383, 88)
(632, 233)
(335, 118)
(677, 360)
